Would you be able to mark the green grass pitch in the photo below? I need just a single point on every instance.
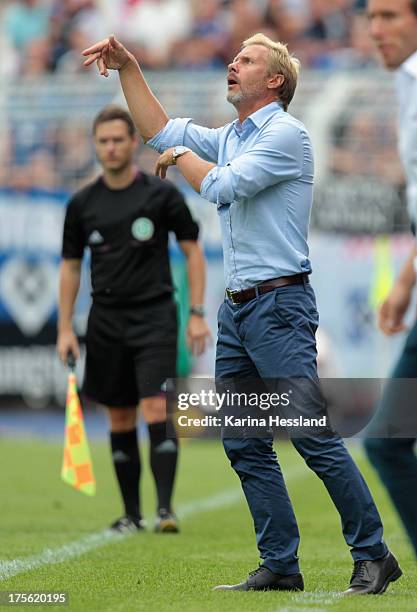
(157, 572)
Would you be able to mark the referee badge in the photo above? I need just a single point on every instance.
(142, 229)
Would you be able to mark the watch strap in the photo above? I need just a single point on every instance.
(199, 310)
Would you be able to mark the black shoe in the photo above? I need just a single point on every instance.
(373, 577)
(128, 524)
(166, 522)
(262, 579)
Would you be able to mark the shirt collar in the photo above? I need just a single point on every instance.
(410, 65)
(259, 117)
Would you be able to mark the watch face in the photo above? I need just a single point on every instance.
(179, 150)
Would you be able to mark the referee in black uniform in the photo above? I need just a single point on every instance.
(124, 217)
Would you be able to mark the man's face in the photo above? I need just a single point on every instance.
(247, 76)
(393, 27)
(114, 145)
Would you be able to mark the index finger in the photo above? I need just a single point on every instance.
(90, 60)
(97, 47)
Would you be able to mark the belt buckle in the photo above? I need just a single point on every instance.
(231, 294)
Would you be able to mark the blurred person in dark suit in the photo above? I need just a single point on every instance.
(393, 26)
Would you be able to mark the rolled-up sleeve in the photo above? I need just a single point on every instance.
(217, 186)
(276, 157)
(170, 136)
(183, 131)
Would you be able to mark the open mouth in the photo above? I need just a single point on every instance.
(231, 81)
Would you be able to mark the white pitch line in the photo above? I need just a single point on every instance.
(51, 556)
(317, 598)
(312, 601)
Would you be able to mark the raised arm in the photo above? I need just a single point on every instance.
(148, 114)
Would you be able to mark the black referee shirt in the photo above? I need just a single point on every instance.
(127, 232)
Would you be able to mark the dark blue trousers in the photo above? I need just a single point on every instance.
(272, 337)
(394, 458)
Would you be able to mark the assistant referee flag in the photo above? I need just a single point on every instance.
(77, 467)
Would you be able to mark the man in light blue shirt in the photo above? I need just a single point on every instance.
(262, 184)
(258, 171)
(393, 26)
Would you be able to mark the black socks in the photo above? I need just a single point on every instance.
(163, 458)
(126, 460)
(163, 455)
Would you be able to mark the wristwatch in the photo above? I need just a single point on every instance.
(177, 152)
(198, 310)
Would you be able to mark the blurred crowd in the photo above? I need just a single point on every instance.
(46, 36)
(42, 150)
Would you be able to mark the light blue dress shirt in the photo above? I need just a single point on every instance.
(262, 186)
(406, 86)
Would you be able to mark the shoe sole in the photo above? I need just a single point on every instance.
(167, 526)
(397, 573)
(225, 587)
(290, 588)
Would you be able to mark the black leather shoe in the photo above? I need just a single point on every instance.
(373, 577)
(262, 579)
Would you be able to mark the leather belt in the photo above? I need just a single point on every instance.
(239, 297)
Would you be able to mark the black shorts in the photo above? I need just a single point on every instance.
(131, 351)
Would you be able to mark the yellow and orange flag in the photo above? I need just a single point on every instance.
(77, 467)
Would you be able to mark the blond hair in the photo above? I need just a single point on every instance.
(280, 61)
